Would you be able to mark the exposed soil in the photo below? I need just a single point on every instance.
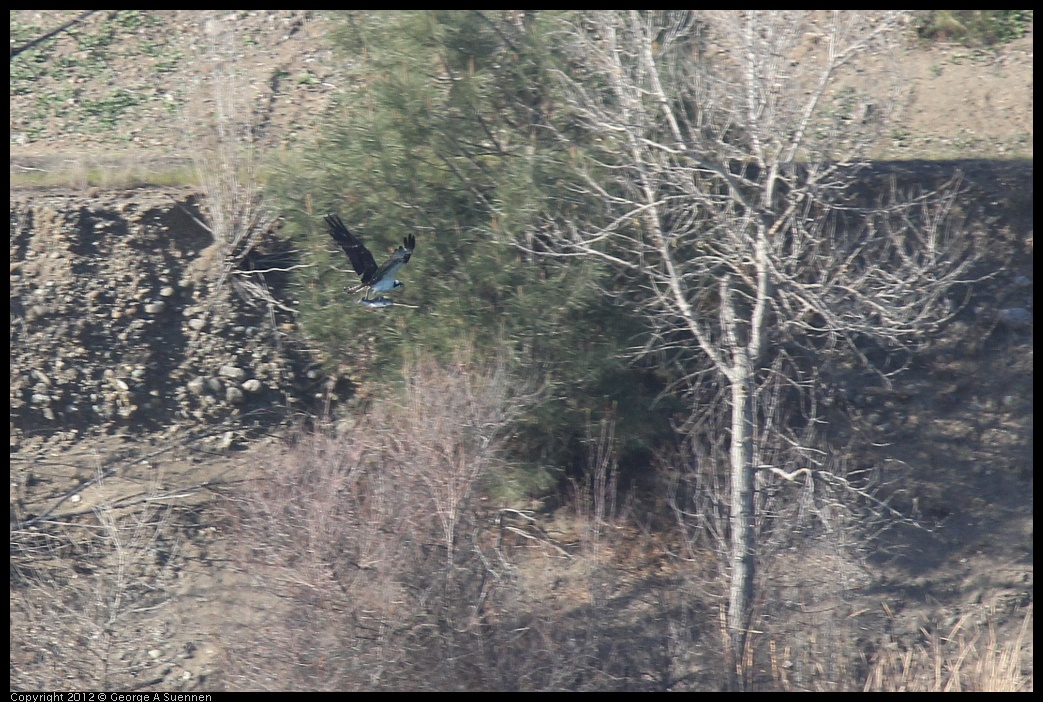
(127, 379)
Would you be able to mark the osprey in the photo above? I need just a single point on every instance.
(374, 279)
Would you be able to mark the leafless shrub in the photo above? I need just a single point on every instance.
(89, 597)
(385, 559)
(595, 501)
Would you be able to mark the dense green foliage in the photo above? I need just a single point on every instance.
(442, 138)
(974, 27)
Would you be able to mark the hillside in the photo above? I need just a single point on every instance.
(137, 401)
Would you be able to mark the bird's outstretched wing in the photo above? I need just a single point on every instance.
(400, 256)
(361, 259)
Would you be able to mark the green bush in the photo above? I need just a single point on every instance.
(974, 27)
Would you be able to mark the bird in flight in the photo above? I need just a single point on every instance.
(374, 279)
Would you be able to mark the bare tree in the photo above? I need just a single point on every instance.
(229, 166)
(731, 189)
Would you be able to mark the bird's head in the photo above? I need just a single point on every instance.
(398, 284)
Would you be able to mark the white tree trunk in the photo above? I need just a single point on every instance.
(740, 594)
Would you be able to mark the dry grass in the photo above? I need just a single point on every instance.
(97, 172)
(969, 659)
